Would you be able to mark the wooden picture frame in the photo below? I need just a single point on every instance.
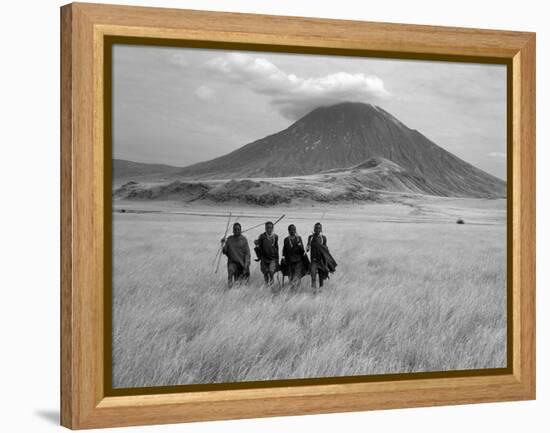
(84, 212)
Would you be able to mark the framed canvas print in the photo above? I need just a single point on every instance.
(265, 215)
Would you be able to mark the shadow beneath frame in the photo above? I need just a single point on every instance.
(50, 415)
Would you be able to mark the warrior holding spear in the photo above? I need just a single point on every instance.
(267, 251)
(236, 248)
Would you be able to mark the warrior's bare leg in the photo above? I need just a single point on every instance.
(230, 274)
(314, 277)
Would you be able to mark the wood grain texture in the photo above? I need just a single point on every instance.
(524, 215)
(67, 394)
(83, 401)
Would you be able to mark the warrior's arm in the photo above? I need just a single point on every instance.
(301, 244)
(257, 249)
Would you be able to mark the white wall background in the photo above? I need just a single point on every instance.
(29, 217)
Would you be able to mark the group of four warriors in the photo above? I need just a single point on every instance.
(295, 262)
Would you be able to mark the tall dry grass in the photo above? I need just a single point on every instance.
(405, 298)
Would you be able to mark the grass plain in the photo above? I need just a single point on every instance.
(413, 292)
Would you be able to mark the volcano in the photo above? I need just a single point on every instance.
(344, 135)
(341, 136)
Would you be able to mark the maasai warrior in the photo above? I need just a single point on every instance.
(321, 261)
(293, 256)
(267, 249)
(236, 248)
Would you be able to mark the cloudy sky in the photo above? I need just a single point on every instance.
(179, 106)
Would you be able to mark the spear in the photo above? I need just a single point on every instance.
(252, 228)
(280, 218)
(220, 248)
(219, 253)
(261, 224)
(278, 280)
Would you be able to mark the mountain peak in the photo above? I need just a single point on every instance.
(348, 134)
(344, 107)
(348, 105)
(350, 112)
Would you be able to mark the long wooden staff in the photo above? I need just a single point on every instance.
(280, 218)
(220, 248)
(261, 224)
(219, 254)
(280, 286)
(253, 227)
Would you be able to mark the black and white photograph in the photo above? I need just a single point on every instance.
(283, 216)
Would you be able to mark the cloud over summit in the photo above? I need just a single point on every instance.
(295, 96)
